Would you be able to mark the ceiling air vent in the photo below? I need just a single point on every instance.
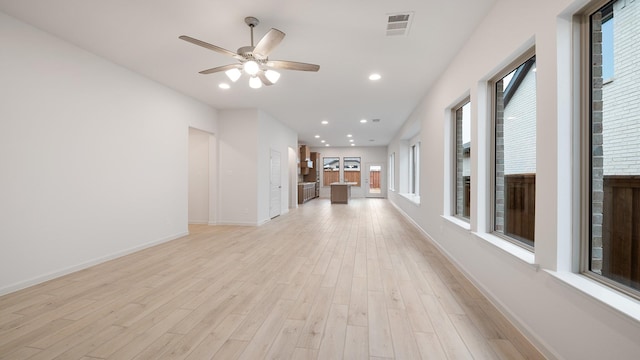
(398, 24)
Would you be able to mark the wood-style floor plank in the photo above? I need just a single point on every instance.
(380, 344)
(356, 343)
(324, 281)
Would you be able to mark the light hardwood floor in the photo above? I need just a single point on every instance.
(324, 281)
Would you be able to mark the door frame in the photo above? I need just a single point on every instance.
(367, 180)
(277, 175)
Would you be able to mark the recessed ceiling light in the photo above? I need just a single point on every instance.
(353, 144)
(327, 145)
(375, 77)
(363, 121)
(317, 136)
(349, 135)
(350, 140)
(224, 86)
(322, 141)
(324, 122)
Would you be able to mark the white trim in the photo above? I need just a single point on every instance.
(411, 197)
(605, 295)
(457, 221)
(242, 223)
(516, 321)
(71, 269)
(510, 248)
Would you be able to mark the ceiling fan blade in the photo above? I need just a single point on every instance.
(209, 46)
(268, 42)
(220, 68)
(292, 65)
(264, 79)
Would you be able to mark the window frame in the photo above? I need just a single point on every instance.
(585, 124)
(510, 67)
(392, 169)
(324, 184)
(414, 169)
(344, 169)
(454, 167)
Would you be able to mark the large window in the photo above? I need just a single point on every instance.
(611, 146)
(352, 170)
(462, 126)
(414, 169)
(514, 181)
(392, 170)
(330, 170)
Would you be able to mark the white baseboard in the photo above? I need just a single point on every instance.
(513, 319)
(237, 223)
(71, 269)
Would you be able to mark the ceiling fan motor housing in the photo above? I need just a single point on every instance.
(247, 53)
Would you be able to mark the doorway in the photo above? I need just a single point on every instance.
(198, 177)
(374, 180)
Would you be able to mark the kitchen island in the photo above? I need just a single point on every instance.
(341, 192)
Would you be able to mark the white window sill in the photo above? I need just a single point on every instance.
(412, 197)
(613, 299)
(457, 221)
(518, 252)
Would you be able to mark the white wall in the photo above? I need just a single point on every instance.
(246, 138)
(238, 159)
(93, 157)
(565, 314)
(273, 135)
(198, 176)
(368, 154)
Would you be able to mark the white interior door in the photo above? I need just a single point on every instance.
(374, 179)
(276, 185)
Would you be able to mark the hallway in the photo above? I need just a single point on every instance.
(324, 281)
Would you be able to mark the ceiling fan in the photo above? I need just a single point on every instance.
(254, 60)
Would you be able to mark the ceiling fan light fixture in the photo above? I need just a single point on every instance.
(233, 74)
(272, 75)
(253, 59)
(255, 82)
(251, 67)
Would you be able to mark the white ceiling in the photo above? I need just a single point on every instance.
(345, 37)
